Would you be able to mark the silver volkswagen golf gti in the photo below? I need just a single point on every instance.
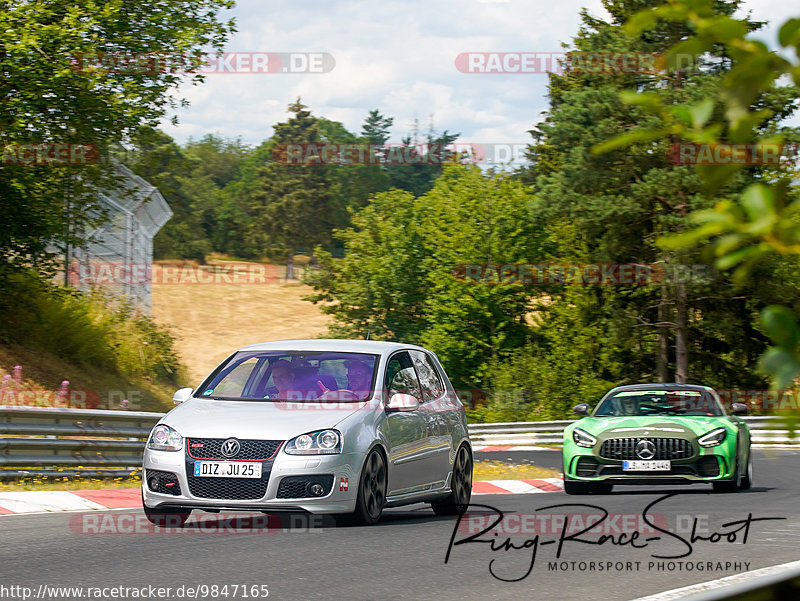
(343, 427)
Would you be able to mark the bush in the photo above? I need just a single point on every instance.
(86, 329)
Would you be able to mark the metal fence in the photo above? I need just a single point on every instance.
(119, 254)
(45, 441)
(52, 442)
(766, 432)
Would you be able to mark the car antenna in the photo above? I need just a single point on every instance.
(368, 333)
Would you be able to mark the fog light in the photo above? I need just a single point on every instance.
(154, 483)
(317, 490)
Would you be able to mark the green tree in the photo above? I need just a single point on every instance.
(421, 163)
(473, 219)
(612, 208)
(159, 160)
(378, 288)
(293, 205)
(53, 92)
(399, 278)
(748, 225)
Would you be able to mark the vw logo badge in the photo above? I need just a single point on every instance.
(231, 447)
(645, 449)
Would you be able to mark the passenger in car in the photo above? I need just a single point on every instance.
(359, 378)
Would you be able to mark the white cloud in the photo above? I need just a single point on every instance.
(399, 57)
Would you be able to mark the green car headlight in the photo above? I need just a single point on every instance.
(713, 438)
(582, 438)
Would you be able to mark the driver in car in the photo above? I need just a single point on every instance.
(283, 379)
(359, 378)
(629, 406)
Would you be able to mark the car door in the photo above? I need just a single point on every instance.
(435, 412)
(411, 458)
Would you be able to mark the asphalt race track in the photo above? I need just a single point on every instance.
(403, 557)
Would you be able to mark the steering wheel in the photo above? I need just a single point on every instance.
(342, 394)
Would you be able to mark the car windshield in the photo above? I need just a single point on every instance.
(292, 376)
(660, 402)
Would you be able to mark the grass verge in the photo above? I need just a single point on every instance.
(44, 483)
(501, 470)
(483, 470)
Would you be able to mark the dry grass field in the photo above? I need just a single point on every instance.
(217, 309)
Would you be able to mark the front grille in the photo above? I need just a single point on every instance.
(251, 450)
(666, 448)
(165, 483)
(298, 487)
(228, 488)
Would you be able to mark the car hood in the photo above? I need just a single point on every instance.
(660, 426)
(206, 418)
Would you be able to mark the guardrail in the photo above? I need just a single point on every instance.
(766, 432)
(45, 441)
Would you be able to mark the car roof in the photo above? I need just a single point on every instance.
(376, 347)
(662, 386)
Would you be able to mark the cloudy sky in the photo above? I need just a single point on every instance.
(398, 57)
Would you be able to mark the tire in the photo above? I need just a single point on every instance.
(371, 492)
(732, 485)
(746, 481)
(167, 517)
(460, 485)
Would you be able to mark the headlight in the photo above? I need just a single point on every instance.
(713, 438)
(323, 442)
(583, 439)
(164, 438)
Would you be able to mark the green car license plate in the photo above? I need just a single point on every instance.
(646, 466)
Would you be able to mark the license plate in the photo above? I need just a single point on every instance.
(227, 469)
(646, 466)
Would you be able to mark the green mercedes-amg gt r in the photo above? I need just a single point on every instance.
(657, 434)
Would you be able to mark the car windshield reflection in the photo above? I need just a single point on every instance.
(292, 376)
(642, 403)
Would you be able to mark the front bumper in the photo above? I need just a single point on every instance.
(341, 498)
(708, 465)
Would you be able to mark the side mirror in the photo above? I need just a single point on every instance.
(582, 409)
(184, 394)
(403, 402)
(739, 409)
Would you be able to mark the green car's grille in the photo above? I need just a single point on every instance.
(662, 448)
